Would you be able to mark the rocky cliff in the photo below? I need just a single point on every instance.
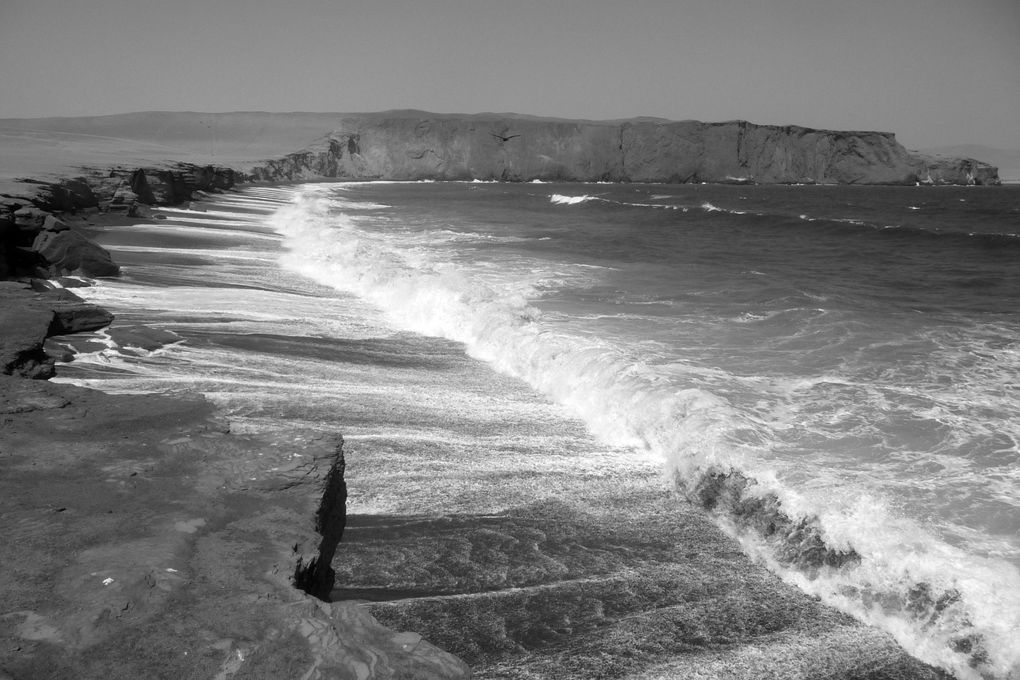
(414, 145)
(34, 242)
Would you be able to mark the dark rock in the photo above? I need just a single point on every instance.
(9, 237)
(139, 185)
(67, 195)
(124, 196)
(30, 218)
(35, 242)
(178, 184)
(316, 576)
(51, 197)
(81, 194)
(51, 223)
(105, 184)
(46, 286)
(69, 252)
(12, 202)
(24, 329)
(144, 338)
(77, 317)
(796, 542)
(211, 178)
(28, 318)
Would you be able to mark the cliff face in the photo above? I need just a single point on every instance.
(413, 145)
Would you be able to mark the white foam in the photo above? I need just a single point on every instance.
(218, 232)
(560, 199)
(235, 221)
(710, 207)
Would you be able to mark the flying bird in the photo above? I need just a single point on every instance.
(502, 138)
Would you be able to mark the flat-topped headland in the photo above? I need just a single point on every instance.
(147, 539)
(407, 145)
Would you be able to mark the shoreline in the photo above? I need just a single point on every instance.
(747, 636)
(144, 537)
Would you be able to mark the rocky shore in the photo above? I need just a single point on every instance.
(144, 539)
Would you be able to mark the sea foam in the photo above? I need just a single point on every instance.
(560, 199)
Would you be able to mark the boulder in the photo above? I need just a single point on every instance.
(30, 217)
(140, 187)
(51, 197)
(31, 313)
(211, 178)
(9, 235)
(68, 252)
(78, 317)
(139, 340)
(51, 223)
(24, 327)
(80, 192)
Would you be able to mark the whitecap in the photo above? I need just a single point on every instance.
(560, 199)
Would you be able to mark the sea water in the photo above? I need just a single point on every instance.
(834, 372)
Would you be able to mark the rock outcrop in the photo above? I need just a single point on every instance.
(416, 145)
(145, 541)
(943, 170)
(67, 252)
(177, 185)
(28, 317)
(36, 243)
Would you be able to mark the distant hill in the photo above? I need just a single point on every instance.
(1007, 160)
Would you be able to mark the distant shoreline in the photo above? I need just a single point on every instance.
(412, 144)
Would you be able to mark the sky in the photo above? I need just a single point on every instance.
(935, 72)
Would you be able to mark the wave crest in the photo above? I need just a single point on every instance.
(560, 199)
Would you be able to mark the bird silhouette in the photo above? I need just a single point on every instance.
(503, 138)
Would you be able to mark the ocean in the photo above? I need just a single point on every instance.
(833, 373)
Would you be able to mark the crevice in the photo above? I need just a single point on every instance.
(317, 577)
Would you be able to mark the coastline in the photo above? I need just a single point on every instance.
(146, 539)
(725, 615)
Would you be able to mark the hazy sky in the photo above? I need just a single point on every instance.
(933, 71)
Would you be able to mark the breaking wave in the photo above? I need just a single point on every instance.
(560, 199)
